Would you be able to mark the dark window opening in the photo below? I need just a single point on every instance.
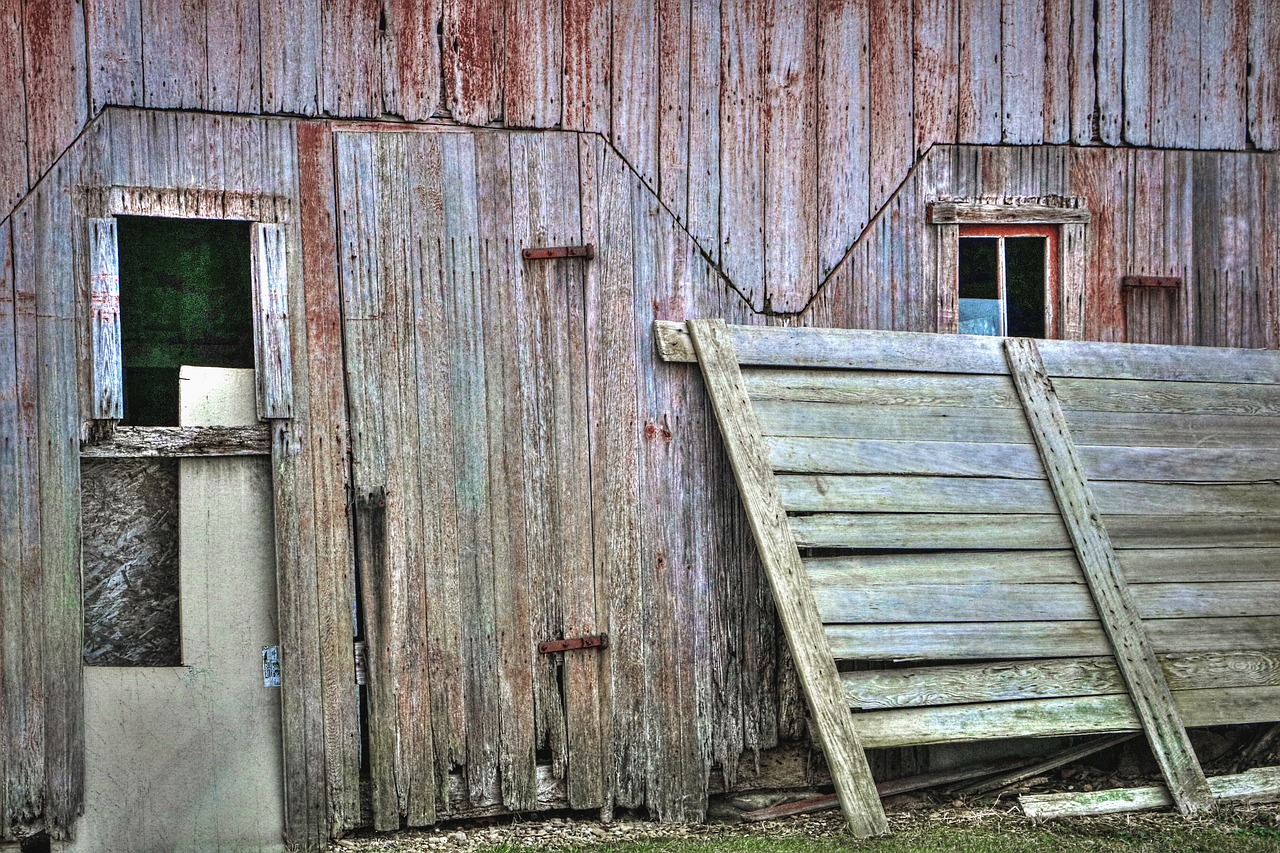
(186, 297)
(1007, 285)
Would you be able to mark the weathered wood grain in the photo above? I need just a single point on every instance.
(934, 59)
(855, 348)
(703, 218)
(473, 60)
(174, 54)
(980, 71)
(1168, 73)
(107, 393)
(634, 87)
(13, 109)
(234, 63)
(55, 79)
(1056, 85)
(1260, 785)
(1025, 640)
(585, 95)
(843, 113)
(411, 59)
(891, 122)
(1109, 69)
(291, 53)
(127, 442)
(350, 51)
(791, 595)
(534, 48)
(675, 58)
(996, 602)
(985, 213)
(271, 321)
(1080, 70)
(1263, 92)
(742, 149)
(1116, 606)
(1048, 678)
(1069, 716)
(1023, 71)
(1029, 532)
(1223, 74)
(1153, 565)
(113, 29)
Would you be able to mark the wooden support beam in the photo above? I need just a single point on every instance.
(1260, 785)
(1117, 609)
(792, 596)
(133, 442)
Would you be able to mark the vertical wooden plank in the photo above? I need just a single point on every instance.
(291, 56)
(25, 699)
(1116, 607)
(947, 277)
(703, 219)
(633, 64)
(1137, 71)
(1022, 71)
(1072, 297)
(271, 322)
(673, 70)
(350, 59)
(234, 65)
(1224, 48)
(791, 147)
(513, 588)
(741, 150)
(474, 43)
(56, 80)
(791, 592)
(1173, 69)
(114, 33)
(980, 72)
(1058, 59)
(324, 371)
(935, 60)
(107, 391)
(1082, 73)
(13, 107)
(174, 55)
(892, 145)
(411, 59)
(1109, 68)
(844, 92)
(13, 656)
(1264, 76)
(587, 69)
(534, 58)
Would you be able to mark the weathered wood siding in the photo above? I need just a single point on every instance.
(773, 131)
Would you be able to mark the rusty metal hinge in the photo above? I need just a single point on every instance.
(549, 253)
(590, 641)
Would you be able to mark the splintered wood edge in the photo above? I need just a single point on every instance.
(787, 579)
(1116, 607)
(1260, 785)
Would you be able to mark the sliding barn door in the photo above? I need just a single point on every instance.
(466, 367)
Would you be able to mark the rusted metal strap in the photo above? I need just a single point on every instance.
(1129, 282)
(590, 641)
(550, 253)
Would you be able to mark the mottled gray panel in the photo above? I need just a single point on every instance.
(130, 574)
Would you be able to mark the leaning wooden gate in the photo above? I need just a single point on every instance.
(1063, 537)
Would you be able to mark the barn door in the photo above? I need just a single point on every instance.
(466, 366)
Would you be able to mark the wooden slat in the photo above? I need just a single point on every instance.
(703, 218)
(891, 119)
(1058, 66)
(232, 43)
(130, 442)
(1138, 70)
(350, 67)
(992, 495)
(869, 349)
(1049, 678)
(13, 109)
(786, 575)
(1116, 607)
(1108, 38)
(843, 129)
(1081, 71)
(291, 56)
(272, 359)
(634, 85)
(1069, 716)
(984, 213)
(174, 55)
(585, 96)
(674, 71)
(1157, 565)
(1224, 43)
(742, 127)
(1003, 426)
(1034, 532)
(934, 60)
(1023, 56)
(107, 391)
(55, 79)
(1264, 77)
(1260, 785)
(533, 60)
(887, 603)
(411, 59)
(16, 651)
(473, 60)
(979, 118)
(814, 455)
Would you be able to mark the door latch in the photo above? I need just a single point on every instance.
(588, 641)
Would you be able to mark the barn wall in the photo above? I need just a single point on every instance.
(774, 131)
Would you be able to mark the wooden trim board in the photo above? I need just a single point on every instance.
(794, 600)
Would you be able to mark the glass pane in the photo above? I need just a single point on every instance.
(1025, 285)
(979, 316)
(129, 533)
(978, 268)
(185, 298)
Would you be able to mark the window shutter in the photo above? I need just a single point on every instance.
(104, 301)
(271, 322)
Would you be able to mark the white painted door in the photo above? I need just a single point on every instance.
(188, 758)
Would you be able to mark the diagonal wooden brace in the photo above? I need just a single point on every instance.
(1135, 656)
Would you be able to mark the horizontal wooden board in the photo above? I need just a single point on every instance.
(868, 349)
(1006, 426)
(1157, 565)
(182, 441)
(1260, 785)
(889, 493)
(817, 454)
(920, 531)
(1069, 716)
(1025, 640)
(998, 602)
(1047, 679)
(958, 390)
